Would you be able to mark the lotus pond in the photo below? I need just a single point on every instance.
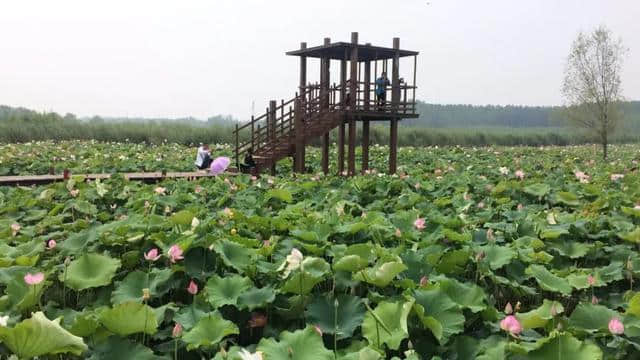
(509, 253)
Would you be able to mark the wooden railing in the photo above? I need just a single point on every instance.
(277, 124)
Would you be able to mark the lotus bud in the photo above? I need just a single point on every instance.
(146, 294)
(508, 309)
(480, 256)
(594, 300)
(67, 261)
(424, 281)
(234, 231)
(518, 305)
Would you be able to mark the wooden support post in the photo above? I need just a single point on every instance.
(365, 123)
(237, 150)
(395, 98)
(353, 90)
(299, 131)
(272, 133)
(325, 64)
(343, 105)
(299, 161)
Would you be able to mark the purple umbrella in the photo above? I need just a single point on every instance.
(219, 165)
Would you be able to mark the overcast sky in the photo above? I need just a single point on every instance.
(160, 58)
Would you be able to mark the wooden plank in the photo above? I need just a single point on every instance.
(136, 176)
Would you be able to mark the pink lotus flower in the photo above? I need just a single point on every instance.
(177, 330)
(254, 178)
(152, 255)
(74, 192)
(175, 253)
(504, 170)
(192, 288)
(520, 207)
(398, 233)
(591, 280)
(616, 177)
(160, 190)
(424, 280)
(33, 279)
(419, 223)
(480, 205)
(227, 212)
(317, 329)
(219, 165)
(519, 174)
(198, 189)
(51, 244)
(584, 178)
(615, 326)
(511, 325)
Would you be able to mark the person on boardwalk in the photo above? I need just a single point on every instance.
(203, 157)
(381, 89)
(249, 164)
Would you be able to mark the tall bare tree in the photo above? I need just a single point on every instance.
(592, 87)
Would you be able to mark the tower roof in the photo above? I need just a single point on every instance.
(342, 51)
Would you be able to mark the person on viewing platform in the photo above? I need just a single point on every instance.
(203, 157)
(381, 89)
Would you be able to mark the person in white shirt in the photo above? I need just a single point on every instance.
(203, 157)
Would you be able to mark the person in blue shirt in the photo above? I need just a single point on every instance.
(381, 89)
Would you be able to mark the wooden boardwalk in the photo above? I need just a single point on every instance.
(138, 176)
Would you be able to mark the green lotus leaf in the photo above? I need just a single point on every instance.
(189, 316)
(39, 336)
(280, 194)
(591, 318)
(302, 281)
(256, 298)
(438, 313)
(497, 256)
(563, 346)
(570, 249)
(116, 347)
(183, 217)
(554, 232)
(381, 274)
(303, 344)
(631, 211)
(632, 236)
(84, 207)
(129, 318)
(549, 281)
(538, 189)
(567, 198)
(538, 318)
(466, 295)
(90, 270)
(235, 255)
(342, 319)
(350, 263)
(634, 305)
(84, 325)
(130, 289)
(226, 290)
(365, 353)
(388, 324)
(209, 331)
(453, 262)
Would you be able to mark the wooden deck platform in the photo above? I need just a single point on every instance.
(148, 177)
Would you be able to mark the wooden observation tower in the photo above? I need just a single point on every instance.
(287, 127)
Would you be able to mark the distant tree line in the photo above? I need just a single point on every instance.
(512, 116)
(466, 125)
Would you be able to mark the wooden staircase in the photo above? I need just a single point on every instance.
(273, 135)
